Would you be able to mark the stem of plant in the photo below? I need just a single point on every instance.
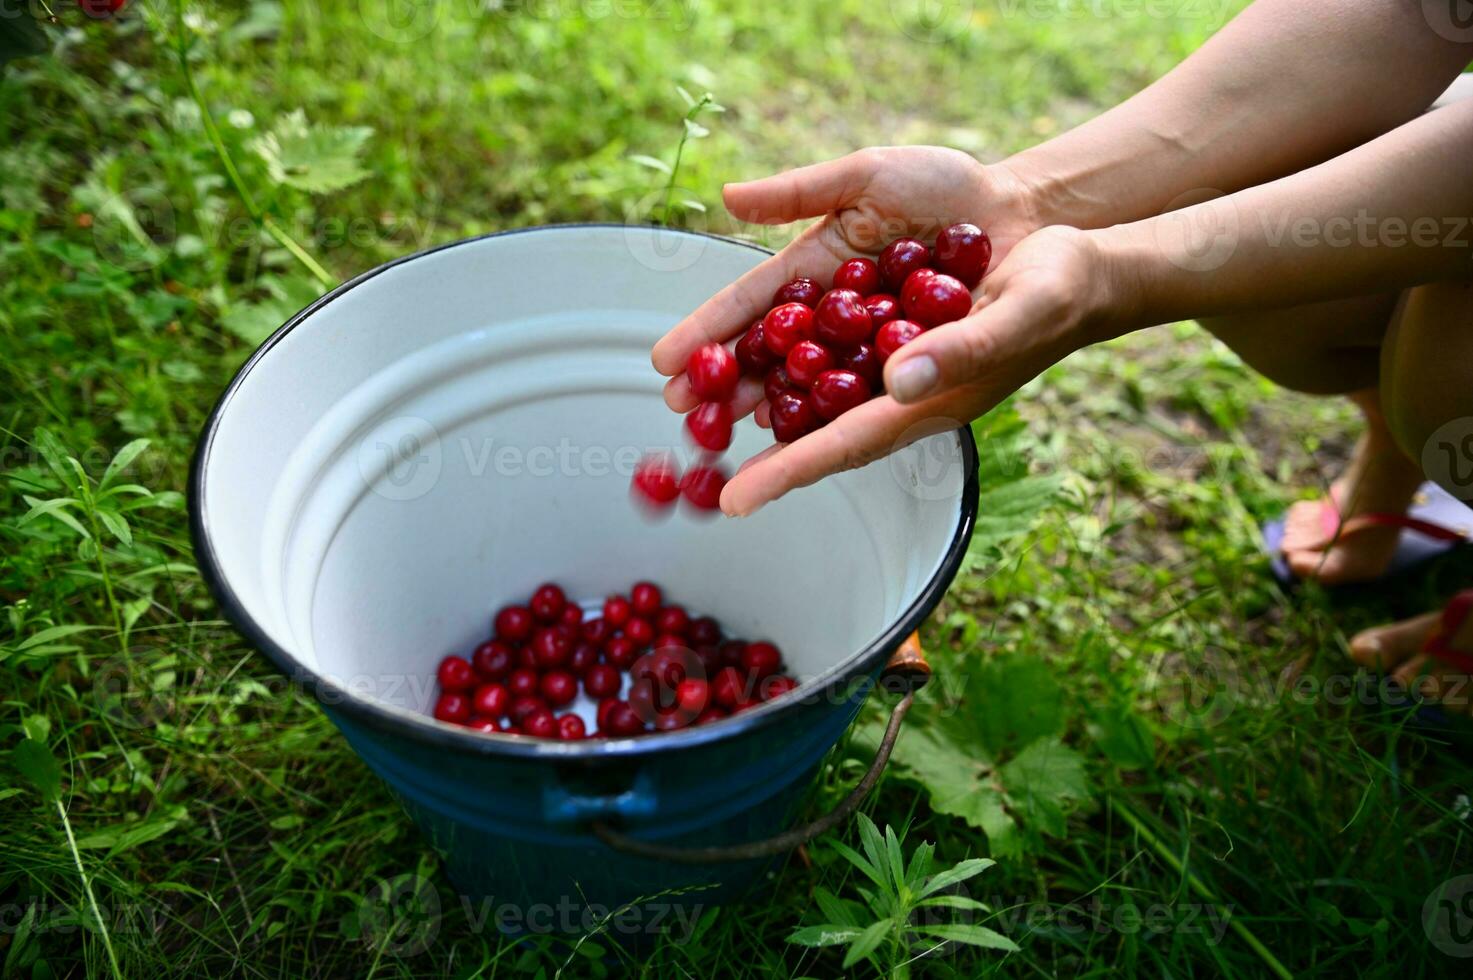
(690, 116)
(228, 163)
(1165, 853)
(107, 941)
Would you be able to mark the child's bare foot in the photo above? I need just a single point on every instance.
(1397, 649)
(1379, 480)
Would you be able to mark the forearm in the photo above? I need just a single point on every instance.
(1390, 214)
(1287, 84)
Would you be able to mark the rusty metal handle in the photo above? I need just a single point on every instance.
(905, 673)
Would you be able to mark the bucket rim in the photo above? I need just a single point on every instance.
(400, 722)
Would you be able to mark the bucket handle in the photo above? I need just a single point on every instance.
(906, 672)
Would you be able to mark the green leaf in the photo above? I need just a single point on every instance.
(971, 935)
(836, 909)
(920, 863)
(960, 872)
(897, 858)
(1011, 510)
(824, 935)
(1008, 702)
(1045, 783)
(652, 162)
(122, 460)
(125, 837)
(36, 763)
(55, 508)
(116, 525)
(954, 902)
(36, 727)
(874, 846)
(316, 159)
(695, 130)
(868, 941)
(55, 455)
(853, 857)
(1123, 737)
(51, 633)
(960, 783)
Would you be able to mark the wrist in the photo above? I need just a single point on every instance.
(1123, 268)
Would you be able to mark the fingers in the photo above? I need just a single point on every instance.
(816, 252)
(803, 193)
(680, 398)
(868, 432)
(954, 353)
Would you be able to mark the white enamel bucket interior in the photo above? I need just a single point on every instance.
(433, 440)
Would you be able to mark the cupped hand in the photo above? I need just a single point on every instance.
(864, 201)
(1053, 294)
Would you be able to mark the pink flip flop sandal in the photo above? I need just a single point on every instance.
(1439, 645)
(1435, 523)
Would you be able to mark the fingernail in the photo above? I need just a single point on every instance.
(915, 379)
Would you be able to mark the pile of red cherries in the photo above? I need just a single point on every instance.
(647, 664)
(819, 352)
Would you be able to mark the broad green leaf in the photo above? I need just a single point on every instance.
(36, 763)
(853, 857)
(1007, 702)
(1011, 510)
(1123, 737)
(1045, 783)
(969, 868)
(868, 941)
(873, 844)
(824, 935)
(954, 902)
(54, 453)
(316, 159)
(960, 782)
(36, 727)
(971, 935)
(836, 909)
(51, 633)
(116, 525)
(122, 460)
(55, 508)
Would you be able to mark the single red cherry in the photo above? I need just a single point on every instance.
(702, 487)
(895, 335)
(646, 599)
(801, 290)
(570, 728)
(485, 725)
(669, 641)
(540, 724)
(547, 603)
(964, 251)
(713, 372)
(709, 657)
(572, 616)
(703, 631)
(604, 707)
(731, 653)
(776, 686)
(761, 660)
(514, 623)
(842, 320)
(793, 417)
(597, 631)
(836, 392)
(785, 325)
(522, 682)
(751, 351)
(640, 630)
(899, 259)
(864, 362)
(493, 659)
(491, 700)
(98, 9)
(711, 714)
(527, 657)
(777, 382)
(692, 696)
(453, 707)
(621, 651)
(656, 483)
(522, 707)
(551, 647)
(623, 720)
(558, 687)
(709, 426)
(602, 681)
(728, 687)
(861, 275)
(934, 299)
(882, 309)
(617, 611)
(806, 361)
(672, 719)
(455, 674)
(584, 656)
(672, 619)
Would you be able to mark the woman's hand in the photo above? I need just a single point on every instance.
(864, 201)
(1053, 294)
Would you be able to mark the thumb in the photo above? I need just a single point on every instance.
(953, 354)
(803, 193)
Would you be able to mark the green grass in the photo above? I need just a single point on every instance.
(222, 827)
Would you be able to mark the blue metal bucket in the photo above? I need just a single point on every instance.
(351, 525)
